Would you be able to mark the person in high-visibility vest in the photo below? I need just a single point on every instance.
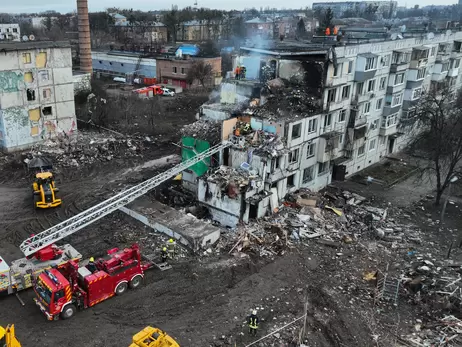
(327, 31)
(171, 247)
(164, 255)
(253, 323)
(237, 72)
(92, 266)
(335, 30)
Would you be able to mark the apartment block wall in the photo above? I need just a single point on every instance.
(36, 96)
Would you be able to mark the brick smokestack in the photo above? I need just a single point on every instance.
(84, 36)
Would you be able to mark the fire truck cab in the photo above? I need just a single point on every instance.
(60, 292)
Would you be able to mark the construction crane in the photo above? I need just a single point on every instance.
(47, 254)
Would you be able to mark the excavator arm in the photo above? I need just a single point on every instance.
(8, 338)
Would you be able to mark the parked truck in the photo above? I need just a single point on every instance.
(60, 292)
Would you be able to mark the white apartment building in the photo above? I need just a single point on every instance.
(36, 93)
(384, 8)
(10, 32)
(367, 95)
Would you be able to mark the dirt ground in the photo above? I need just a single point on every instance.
(203, 300)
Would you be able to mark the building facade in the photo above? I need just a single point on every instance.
(36, 93)
(123, 64)
(359, 107)
(174, 71)
(384, 8)
(10, 32)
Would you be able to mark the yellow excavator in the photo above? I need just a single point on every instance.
(153, 337)
(44, 184)
(8, 338)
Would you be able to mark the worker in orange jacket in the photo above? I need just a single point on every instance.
(327, 31)
(237, 72)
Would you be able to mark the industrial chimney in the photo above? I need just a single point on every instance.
(84, 36)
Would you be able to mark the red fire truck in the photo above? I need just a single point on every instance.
(61, 291)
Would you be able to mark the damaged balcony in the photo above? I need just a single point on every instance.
(226, 192)
(400, 60)
(419, 57)
(356, 120)
(444, 52)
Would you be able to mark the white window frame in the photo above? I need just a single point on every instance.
(348, 88)
(331, 92)
(419, 72)
(310, 150)
(383, 83)
(312, 125)
(374, 124)
(367, 108)
(293, 156)
(371, 64)
(372, 145)
(396, 79)
(327, 120)
(396, 99)
(311, 176)
(361, 149)
(379, 104)
(390, 120)
(371, 86)
(326, 167)
(416, 93)
(350, 67)
(342, 119)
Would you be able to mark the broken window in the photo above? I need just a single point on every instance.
(183, 71)
(26, 59)
(327, 121)
(312, 125)
(28, 77)
(310, 150)
(308, 174)
(331, 93)
(371, 86)
(44, 75)
(47, 111)
(323, 168)
(374, 124)
(379, 103)
(47, 93)
(342, 116)
(293, 156)
(445, 67)
(359, 88)
(291, 181)
(338, 70)
(421, 73)
(346, 92)
(382, 140)
(30, 94)
(361, 150)
(275, 164)
(296, 131)
(41, 60)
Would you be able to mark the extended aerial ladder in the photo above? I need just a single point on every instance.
(70, 226)
(40, 250)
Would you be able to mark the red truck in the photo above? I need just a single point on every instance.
(61, 291)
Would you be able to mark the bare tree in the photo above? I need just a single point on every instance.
(439, 136)
(199, 71)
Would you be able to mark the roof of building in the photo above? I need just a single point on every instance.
(257, 20)
(118, 16)
(27, 45)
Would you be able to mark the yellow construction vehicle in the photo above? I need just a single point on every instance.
(153, 337)
(44, 185)
(7, 337)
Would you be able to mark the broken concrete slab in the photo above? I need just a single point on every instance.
(185, 228)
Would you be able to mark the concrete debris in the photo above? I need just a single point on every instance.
(204, 129)
(88, 148)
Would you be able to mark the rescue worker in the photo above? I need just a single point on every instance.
(237, 72)
(327, 31)
(242, 72)
(171, 246)
(164, 255)
(92, 266)
(246, 129)
(253, 323)
(335, 30)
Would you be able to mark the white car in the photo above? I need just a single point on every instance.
(167, 92)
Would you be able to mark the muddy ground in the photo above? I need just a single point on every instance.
(203, 300)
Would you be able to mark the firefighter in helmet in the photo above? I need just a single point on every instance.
(253, 323)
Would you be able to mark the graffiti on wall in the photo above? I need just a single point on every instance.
(10, 81)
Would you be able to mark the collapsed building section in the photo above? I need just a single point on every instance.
(268, 116)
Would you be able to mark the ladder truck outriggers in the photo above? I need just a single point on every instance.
(42, 253)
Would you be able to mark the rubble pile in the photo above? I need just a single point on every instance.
(231, 181)
(446, 331)
(88, 148)
(203, 129)
(284, 99)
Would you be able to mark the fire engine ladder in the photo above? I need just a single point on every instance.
(74, 224)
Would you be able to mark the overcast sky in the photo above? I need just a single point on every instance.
(99, 5)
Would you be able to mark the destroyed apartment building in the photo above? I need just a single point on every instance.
(301, 115)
